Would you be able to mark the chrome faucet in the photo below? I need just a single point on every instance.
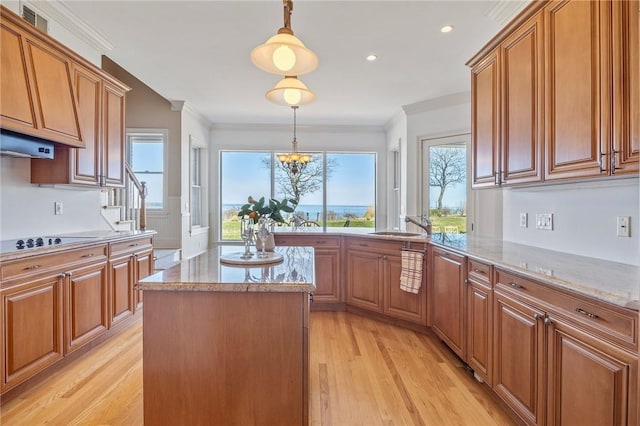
(426, 223)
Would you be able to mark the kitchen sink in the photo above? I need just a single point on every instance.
(396, 233)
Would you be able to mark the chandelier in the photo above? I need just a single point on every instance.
(294, 162)
(284, 54)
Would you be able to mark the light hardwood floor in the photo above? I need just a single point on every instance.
(362, 372)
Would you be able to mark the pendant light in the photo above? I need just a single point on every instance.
(290, 91)
(284, 53)
(295, 162)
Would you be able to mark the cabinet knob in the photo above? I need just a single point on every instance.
(537, 316)
(466, 281)
(547, 321)
(62, 275)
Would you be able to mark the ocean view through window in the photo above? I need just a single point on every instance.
(335, 189)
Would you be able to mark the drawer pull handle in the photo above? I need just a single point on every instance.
(515, 284)
(363, 245)
(88, 255)
(321, 242)
(479, 271)
(133, 245)
(32, 267)
(588, 314)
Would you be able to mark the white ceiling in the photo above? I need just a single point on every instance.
(198, 51)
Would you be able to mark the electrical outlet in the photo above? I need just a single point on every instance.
(57, 208)
(544, 221)
(523, 220)
(623, 226)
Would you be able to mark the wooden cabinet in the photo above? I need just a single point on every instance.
(485, 121)
(555, 95)
(626, 87)
(563, 359)
(328, 265)
(479, 325)
(32, 328)
(373, 280)
(86, 304)
(37, 92)
(519, 355)
(589, 382)
(447, 298)
(129, 261)
(577, 88)
(364, 279)
(101, 104)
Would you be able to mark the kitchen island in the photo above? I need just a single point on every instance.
(228, 344)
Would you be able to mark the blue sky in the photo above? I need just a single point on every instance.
(352, 181)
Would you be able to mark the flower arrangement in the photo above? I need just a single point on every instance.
(257, 209)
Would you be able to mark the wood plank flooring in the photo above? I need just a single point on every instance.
(362, 372)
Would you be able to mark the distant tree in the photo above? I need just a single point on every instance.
(447, 167)
(305, 182)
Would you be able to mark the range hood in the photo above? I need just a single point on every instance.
(19, 145)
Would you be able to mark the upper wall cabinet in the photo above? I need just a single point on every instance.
(567, 93)
(37, 96)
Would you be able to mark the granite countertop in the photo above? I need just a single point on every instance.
(80, 239)
(295, 273)
(613, 282)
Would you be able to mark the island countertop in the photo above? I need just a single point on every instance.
(206, 272)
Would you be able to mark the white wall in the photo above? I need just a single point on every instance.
(396, 134)
(193, 125)
(584, 218)
(278, 137)
(26, 210)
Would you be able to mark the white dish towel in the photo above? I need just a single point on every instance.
(411, 273)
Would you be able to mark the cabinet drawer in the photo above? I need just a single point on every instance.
(130, 246)
(373, 244)
(56, 261)
(605, 320)
(480, 271)
(318, 241)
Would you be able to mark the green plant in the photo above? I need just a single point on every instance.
(257, 209)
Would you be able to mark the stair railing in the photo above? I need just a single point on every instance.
(134, 197)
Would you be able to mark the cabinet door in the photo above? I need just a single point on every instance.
(479, 329)
(17, 111)
(32, 328)
(113, 135)
(447, 294)
(87, 305)
(518, 354)
(53, 90)
(144, 268)
(590, 382)
(399, 303)
(626, 86)
(522, 117)
(577, 88)
(327, 263)
(485, 122)
(364, 280)
(121, 303)
(85, 163)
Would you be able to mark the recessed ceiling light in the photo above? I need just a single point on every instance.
(371, 58)
(446, 29)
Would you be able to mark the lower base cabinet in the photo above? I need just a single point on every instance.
(121, 271)
(32, 328)
(143, 268)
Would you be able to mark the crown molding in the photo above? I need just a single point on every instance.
(58, 12)
(395, 120)
(505, 10)
(453, 99)
(254, 127)
(187, 107)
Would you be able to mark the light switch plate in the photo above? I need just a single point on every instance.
(544, 221)
(57, 208)
(623, 223)
(523, 220)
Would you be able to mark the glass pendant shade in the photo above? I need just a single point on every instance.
(284, 54)
(290, 92)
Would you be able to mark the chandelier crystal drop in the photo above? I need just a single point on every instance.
(295, 161)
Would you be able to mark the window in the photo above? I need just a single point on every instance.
(334, 190)
(198, 178)
(147, 160)
(445, 183)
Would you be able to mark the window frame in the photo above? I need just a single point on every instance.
(152, 134)
(197, 144)
(273, 156)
